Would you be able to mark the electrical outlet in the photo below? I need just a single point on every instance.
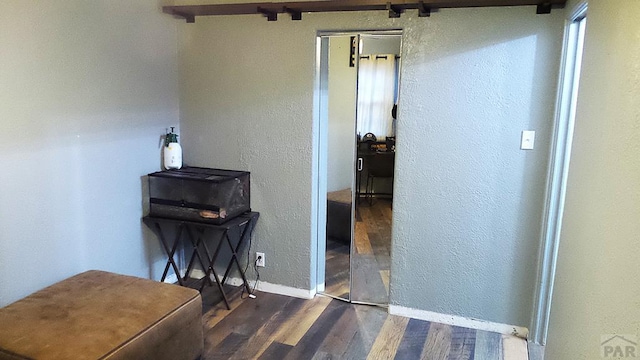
(260, 259)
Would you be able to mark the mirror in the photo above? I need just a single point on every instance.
(377, 94)
(359, 80)
(341, 103)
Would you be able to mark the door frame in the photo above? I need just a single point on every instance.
(568, 83)
(320, 150)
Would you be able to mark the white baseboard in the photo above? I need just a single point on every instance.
(196, 273)
(521, 332)
(284, 290)
(263, 286)
(172, 279)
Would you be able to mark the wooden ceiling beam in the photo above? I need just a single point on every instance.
(395, 7)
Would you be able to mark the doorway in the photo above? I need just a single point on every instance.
(358, 96)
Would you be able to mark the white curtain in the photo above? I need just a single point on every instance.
(376, 94)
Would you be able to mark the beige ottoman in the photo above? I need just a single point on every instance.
(100, 315)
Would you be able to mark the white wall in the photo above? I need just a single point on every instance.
(342, 115)
(468, 202)
(597, 284)
(87, 88)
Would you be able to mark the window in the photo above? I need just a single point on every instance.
(377, 79)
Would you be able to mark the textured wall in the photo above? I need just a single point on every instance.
(468, 201)
(246, 103)
(87, 89)
(467, 219)
(597, 288)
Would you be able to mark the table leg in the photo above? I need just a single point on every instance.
(170, 252)
(242, 238)
(211, 270)
(196, 251)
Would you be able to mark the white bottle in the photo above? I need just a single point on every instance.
(173, 156)
(172, 152)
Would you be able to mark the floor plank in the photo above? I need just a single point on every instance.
(263, 338)
(338, 339)
(367, 284)
(216, 311)
(363, 245)
(413, 341)
(488, 346)
(438, 342)
(227, 347)
(463, 343)
(292, 331)
(276, 351)
(370, 320)
(245, 319)
(307, 347)
(280, 327)
(337, 269)
(389, 338)
(384, 275)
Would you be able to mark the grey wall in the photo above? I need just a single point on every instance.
(246, 103)
(597, 283)
(87, 89)
(372, 44)
(468, 201)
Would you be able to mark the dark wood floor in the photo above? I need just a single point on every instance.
(280, 327)
(337, 269)
(370, 258)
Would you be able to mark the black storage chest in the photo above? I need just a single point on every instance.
(199, 194)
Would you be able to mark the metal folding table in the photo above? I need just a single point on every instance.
(234, 233)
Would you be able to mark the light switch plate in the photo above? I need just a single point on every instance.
(528, 138)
